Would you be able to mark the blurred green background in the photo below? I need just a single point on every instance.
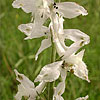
(17, 53)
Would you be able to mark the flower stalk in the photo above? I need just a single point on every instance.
(53, 58)
(55, 35)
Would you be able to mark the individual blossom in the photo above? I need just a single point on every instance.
(27, 88)
(38, 8)
(75, 64)
(32, 32)
(72, 60)
(30, 6)
(59, 35)
(83, 98)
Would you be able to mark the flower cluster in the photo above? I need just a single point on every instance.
(70, 61)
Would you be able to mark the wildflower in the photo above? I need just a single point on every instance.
(38, 8)
(26, 87)
(79, 38)
(32, 31)
(76, 65)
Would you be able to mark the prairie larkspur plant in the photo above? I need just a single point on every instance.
(55, 35)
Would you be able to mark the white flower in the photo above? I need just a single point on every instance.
(32, 31)
(32, 5)
(70, 9)
(83, 98)
(60, 35)
(77, 66)
(26, 87)
(50, 72)
(59, 90)
(39, 8)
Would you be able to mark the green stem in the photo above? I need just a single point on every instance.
(53, 55)
(53, 58)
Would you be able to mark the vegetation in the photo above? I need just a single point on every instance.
(17, 53)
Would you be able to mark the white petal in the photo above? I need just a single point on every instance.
(70, 9)
(76, 35)
(21, 92)
(60, 89)
(24, 80)
(26, 28)
(48, 75)
(62, 41)
(81, 54)
(40, 87)
(37, 90)
(61, 98)
(49, 72)
(54, 23)
(38, 32)
(61, 20)
(80, 70)
(63, 74)
(56, 29)
(60, 33)
(40, 18)
(72, 49)
(59, 47)
(49, 1)
(58, 98)
(83, 98)
(27, 92)
(44, 45)
(27, 5)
